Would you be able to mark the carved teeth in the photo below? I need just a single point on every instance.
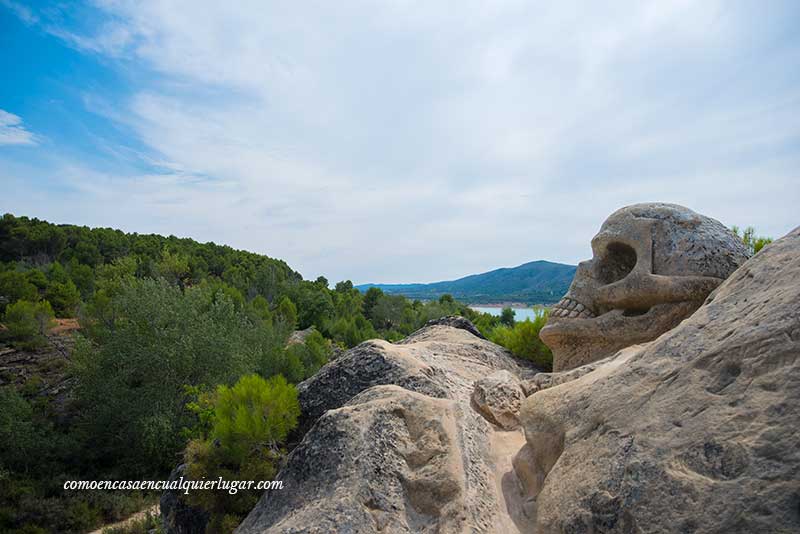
(571, 308)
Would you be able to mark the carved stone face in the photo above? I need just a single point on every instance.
(652, 266)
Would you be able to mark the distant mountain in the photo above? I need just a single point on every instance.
(536, 282)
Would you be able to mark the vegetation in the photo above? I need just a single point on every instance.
(751, 241)
(181, 344)
(246, 424)
(522, 339)
(27, 323)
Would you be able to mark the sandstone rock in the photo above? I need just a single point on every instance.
(694, 432)
(652, 266)
(498, 397)
(395, 445)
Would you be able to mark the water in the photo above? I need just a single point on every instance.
(520, 313)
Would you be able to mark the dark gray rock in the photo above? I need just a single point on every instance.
(177, 517)
(456, 321)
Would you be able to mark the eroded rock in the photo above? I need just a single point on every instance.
(652, 266)
(693, 432)
(498, 397)
(395, 446)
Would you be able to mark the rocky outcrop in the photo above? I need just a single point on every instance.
(395, 446)
(652, 266)
(498, 397)
(693, 432)
(456, 321)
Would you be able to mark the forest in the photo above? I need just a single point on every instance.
(182, 353)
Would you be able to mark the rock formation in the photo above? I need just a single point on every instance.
(652, 266)
(693, 432)
(394, 444)
(693, 429)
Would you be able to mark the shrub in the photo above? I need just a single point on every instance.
(523, 341)
(15, 286)
(28, 323)
(250, 421)
(64, 296)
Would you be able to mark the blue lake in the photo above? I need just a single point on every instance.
(520, 314)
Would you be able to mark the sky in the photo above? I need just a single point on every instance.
(398, 141)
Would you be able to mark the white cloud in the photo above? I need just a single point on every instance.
(23, 12)
(410, 141)
(12, 132)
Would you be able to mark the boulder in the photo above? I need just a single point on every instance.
(395, 446)
(498, 398)
(177, 516)
(695, 431)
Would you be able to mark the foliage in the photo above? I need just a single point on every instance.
(254, 414)
(507, 316)
(250, 421)
(28, 323)
(523, 340)
(752, 242)
(132, 368)
(166, 325)
(14, 286)
(287, 312)
(307, 357)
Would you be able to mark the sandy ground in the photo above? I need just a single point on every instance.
(505, 445)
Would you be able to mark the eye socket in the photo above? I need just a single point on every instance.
(617, 262)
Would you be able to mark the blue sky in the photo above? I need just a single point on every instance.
(398, 141)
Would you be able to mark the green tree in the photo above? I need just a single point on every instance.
(28, 322)
(14, 286)
(83, 278)
(287, 312)
(311, 355)
(752, 242)
(507, 316)
(174, 267)
(133, 368)
(64, 296)
(254, 413)
(523, 340)
(344, 286)
(371, 298)
(249, 423)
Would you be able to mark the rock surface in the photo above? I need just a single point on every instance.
(395, 445)
(693, 432)
(652, 266)
(178, 517)
(498, 397)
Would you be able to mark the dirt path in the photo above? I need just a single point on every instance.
(135, 517)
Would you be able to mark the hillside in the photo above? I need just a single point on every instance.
(536, 282)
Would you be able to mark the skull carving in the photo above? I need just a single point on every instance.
(652, 266)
